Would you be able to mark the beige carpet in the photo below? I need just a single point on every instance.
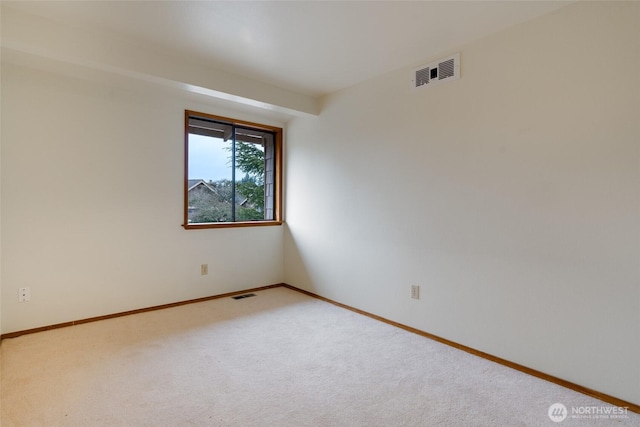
(280, 358)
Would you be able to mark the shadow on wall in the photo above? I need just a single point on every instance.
(296, 270)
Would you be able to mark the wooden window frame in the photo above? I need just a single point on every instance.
(278, 132)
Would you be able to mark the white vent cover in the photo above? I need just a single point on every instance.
(442, 70)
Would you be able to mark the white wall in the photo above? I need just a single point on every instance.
(32, 35)
(511, 196)
(92, 194)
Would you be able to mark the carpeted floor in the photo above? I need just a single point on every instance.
(280, 358)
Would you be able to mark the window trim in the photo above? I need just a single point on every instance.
(277, 174)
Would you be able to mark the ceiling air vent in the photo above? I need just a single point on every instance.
(439, 71)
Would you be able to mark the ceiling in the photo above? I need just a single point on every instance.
(312, 48)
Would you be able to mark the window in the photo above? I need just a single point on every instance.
(233, 172)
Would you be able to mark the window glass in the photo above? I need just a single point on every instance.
(232, 172)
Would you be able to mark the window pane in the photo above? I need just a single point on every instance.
(249, 181)
(210, 179)
(233, 172)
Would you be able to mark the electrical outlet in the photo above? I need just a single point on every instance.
(24, 294)
(415, 291)
(204, 269)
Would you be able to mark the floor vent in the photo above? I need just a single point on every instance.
(445, 69)
(244, 296)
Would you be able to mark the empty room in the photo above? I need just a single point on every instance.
(389, 213)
